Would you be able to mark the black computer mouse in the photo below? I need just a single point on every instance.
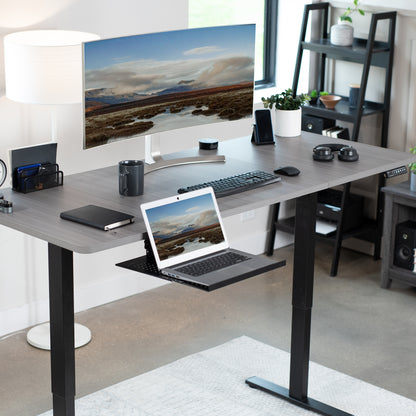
(287, 171)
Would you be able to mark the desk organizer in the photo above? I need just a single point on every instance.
(37, 177)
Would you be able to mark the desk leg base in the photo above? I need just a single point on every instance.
(283, 393)
(62, 407)
(39, 336)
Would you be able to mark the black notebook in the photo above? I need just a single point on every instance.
(98, 217)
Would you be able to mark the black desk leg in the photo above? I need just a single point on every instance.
(303, 265)
(61, 305)
(274, 217)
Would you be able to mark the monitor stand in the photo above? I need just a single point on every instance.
(155, 161)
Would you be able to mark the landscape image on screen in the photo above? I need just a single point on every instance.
(145, 84)
(185, 226)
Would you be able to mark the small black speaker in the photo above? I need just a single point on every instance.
(405, 243)
(316, 124)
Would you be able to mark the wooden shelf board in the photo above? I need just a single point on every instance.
(355, 53)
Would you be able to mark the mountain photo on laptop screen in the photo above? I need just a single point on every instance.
(185, 226)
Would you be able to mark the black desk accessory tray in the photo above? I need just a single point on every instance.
(144, 264)
(34, 168)
(147, 265)
(37, 177)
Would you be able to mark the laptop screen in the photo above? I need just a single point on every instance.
(184, 227)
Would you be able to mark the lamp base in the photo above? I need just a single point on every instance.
(39, 336)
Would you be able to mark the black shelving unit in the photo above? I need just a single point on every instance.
(367, 52)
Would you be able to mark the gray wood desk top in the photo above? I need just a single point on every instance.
(37, 213)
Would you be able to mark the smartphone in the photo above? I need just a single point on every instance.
(263, 127)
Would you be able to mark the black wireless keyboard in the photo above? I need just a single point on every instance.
(234, 184)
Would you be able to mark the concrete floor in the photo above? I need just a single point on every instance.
(357, 328)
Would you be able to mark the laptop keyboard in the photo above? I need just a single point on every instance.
(212, 264)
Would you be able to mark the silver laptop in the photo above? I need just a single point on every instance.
(190, 245)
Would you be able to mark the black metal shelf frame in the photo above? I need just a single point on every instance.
(368, 52)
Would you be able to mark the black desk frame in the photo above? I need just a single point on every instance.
(62, 321)
(302, 295)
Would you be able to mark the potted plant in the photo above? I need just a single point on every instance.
(412, 168)
(288, 112)
(314, 96)
(342, 33)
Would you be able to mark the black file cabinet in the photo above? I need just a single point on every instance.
(399, 235)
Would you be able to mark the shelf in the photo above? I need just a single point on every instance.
(368, 227)
(368, 52)
(401, 190)
(342, 111)
(356, 53)
(403, 275)
(400, 206)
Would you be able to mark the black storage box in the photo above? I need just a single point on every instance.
(316, 124)
(329, 208)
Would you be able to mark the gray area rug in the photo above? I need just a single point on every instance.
(212, 382)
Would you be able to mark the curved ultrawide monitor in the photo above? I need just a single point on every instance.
(145, 84)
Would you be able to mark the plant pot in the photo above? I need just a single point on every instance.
(342, 34)
(412, 182)
(287, 123)
(330, 101)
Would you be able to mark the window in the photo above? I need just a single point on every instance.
(262, 13)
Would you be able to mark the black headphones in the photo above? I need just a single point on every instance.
(324, 152)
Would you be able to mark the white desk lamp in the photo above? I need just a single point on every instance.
(45, 67)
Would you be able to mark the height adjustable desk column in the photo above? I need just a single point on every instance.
(302, 295)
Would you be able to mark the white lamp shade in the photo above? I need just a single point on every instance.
(45, 66)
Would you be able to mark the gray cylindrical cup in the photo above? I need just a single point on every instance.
(354, 92)
(130, 177)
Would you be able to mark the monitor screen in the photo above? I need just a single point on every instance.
(145, 84)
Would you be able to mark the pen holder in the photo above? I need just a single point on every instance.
(37, 177)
